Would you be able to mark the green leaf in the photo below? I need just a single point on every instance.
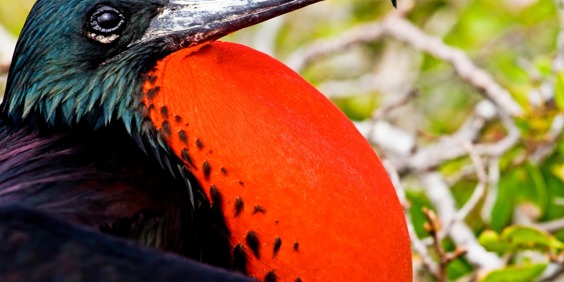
(539, 189)
(529, 238)
(518, 238)
(492, 242)
(358, 107)
(418, 200)
(559, 90)
(524, 273)
(558, 170)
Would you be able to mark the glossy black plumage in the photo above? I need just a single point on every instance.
(37, 247)
(107, 185)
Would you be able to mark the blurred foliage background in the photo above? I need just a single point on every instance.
(481, 177)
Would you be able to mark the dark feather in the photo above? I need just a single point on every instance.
(103, 181)
(65, 252)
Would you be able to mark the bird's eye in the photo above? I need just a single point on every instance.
(105, 25)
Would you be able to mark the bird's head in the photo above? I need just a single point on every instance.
(83, 61)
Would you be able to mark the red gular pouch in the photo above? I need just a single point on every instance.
(303, 194)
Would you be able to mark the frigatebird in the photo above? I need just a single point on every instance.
(127, 117)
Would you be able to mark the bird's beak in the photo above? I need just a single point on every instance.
(185, 23)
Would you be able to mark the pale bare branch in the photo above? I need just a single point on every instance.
(402, 30)
(439, 194)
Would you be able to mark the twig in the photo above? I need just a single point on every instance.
(447, 149)
(440, 196)
(433, 226)
(342, 88)
(417, 244)
(491, 196)
(551, 226)
(402, 100)
(394, 177)
(392, 139)
(401, 149)
(305, 55)
(480, 187)
(402, 30)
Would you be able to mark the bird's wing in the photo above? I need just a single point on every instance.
(37, 247)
